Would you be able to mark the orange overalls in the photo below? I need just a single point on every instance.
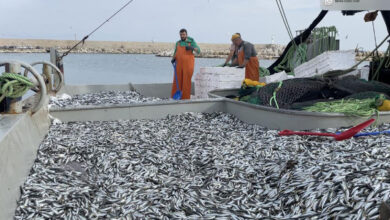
(251, 68)
(185, 61)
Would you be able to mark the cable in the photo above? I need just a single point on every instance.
(298, 40)
(373, 28)
(86, 37)
(300, 54)
(284, 18)
(339, 73)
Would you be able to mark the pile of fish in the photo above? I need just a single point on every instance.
(202, 166)
(101, 98)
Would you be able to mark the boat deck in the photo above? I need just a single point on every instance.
(22, 134)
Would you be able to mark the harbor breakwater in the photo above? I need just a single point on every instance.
(164, 49)
(265, 51)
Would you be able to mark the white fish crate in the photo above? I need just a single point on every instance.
(212, 78)
(222, 70)
(328, 61)
(277, 77)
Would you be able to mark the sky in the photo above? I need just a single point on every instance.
(207, 21)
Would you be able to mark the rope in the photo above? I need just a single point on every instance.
(298, 40)
(273, 98)
(384, 61)
(264, 71)
(14, 85)
(289, 63)
(343, 72)
(285, 20)
(373, 29)
(87, 36)
(351, 107)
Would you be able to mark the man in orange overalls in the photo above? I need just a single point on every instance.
(185, 61)
(247, 57)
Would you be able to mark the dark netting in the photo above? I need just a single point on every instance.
(291, 91)
(366, 95)
(246, 90)
(353, 85)
(361, 95)
(304, 92)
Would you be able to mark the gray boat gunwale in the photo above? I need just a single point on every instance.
(145, 104)
(249, 113)
(265, 116)
(287, 111)
(220, 99)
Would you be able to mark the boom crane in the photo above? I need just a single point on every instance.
(351, 7)
(380, 67)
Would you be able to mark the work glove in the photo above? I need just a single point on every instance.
(189, 48)
(240, 67)
(173, 60)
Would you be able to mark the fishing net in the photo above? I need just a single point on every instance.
(248, 87)
(305, 92)
(292, 90)
(354, 85)
(247, 90)
(367, 95)
(263, 72)
(296, 41)
(357, 96)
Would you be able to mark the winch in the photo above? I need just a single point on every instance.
(14, 85)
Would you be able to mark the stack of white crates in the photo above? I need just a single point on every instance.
(325, 62)
(212, 78)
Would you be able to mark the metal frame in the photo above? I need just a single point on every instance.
(59, 74)
(339, 5)
(41, 83)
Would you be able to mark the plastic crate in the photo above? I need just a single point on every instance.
(328, 61)
(212, 78)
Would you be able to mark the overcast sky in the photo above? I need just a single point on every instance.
(208, 21)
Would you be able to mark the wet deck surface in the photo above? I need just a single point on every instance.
(7, 122)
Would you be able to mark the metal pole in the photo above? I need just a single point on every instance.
(386, 18)
(54, 59)
(13, 105)
(46, 70)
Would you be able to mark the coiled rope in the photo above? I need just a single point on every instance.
(14, 85)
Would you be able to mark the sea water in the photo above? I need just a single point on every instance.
(81, 69)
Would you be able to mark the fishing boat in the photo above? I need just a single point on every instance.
(26, 122)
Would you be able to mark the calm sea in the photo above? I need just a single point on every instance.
(116, 68)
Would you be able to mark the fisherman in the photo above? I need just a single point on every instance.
(247, 57)
(232, 57)
(185, 60)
